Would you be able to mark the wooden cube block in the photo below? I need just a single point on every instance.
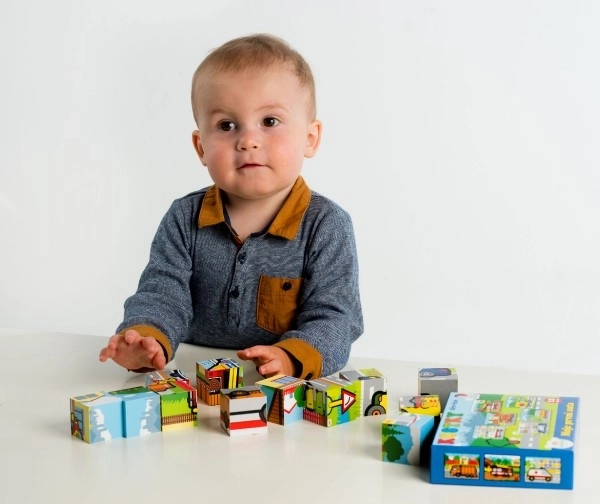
(178, 404)
(406, 439)
(212, 375)
(141, 411)
(96, 417)
(438, 381)
(371, 387)
(330, 401)
(283, 393)
(243, 410)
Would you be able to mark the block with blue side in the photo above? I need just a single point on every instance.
(96, 417)
(141, 411)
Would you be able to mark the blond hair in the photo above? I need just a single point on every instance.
(260, 50)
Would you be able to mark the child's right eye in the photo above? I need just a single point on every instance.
(226, 125)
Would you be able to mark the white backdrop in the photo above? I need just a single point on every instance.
(462, 136)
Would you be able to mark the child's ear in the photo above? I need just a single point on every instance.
(313, 139)
(198, 146)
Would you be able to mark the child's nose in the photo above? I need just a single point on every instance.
(248, 140)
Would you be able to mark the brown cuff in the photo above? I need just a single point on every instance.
(152, 332)
(142, 370)
(308, 360)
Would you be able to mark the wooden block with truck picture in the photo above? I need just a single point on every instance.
(371, 387)
(438, 381)
(420, 405)
(330, 401)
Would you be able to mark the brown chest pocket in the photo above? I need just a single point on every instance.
(277, 303)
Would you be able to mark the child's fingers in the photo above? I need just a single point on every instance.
(258, 352)
(113, 342)
(244, 354)
(105, 354)
(155, 353)
(131, 336)
(110, 350)
(149, 344)
(159, 362)
(270, 368)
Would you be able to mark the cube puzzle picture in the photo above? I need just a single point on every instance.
(141, 411)
(283, 394)
(243, 410)
(421, 405)
(178, 404)
(371, 387)
(406, 438)
(330, 401)
(96, 417)
(212, 375)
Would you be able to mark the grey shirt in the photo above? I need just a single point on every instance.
(297, 280)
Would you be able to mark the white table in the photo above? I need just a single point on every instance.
(299, 463)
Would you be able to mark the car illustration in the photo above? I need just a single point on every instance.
(429, 372)
(539, 474)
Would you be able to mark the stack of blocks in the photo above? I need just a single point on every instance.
(212, 375)
(165, 403)
(408, 435)
(243, 410)
(283, 395)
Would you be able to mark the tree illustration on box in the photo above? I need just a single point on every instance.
(392, 447)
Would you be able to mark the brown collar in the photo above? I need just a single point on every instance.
(285, 224)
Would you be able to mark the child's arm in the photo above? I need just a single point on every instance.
(134, 352)
(161, 308)
(329, 314)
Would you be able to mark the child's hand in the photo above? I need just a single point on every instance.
(133, 351)
(269, 360)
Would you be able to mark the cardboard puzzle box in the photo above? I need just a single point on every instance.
(506, 440)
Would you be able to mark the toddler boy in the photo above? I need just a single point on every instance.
(257, 261)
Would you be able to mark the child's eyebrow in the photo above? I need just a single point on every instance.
(217, 111)
(273, 106)
(267, 107)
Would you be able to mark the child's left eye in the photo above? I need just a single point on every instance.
(269, 122)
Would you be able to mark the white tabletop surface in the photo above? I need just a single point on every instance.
(299, 463)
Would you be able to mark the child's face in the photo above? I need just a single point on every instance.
(254, 131)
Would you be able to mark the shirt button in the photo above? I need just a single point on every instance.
(235, 292)
(286, 286)
(242, 258)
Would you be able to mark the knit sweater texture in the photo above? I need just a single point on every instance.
(299, 279)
